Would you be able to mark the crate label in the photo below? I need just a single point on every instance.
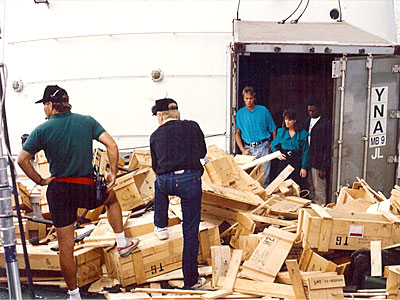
(356, 231)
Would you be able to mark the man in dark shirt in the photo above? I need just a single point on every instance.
(319, 154)
(176, 149)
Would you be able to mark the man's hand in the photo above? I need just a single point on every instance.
(282, 157)
(303, 173)
(46, 181)
(322, 174)
(110, 178)
(24, 161)
(246, 152)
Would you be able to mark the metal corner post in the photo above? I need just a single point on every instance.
(368, 66)
(8, 236)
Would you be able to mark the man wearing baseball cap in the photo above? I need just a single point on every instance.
(176, 149)
(66, 139)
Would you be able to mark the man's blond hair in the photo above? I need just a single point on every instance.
(173, 113)
(248, 90)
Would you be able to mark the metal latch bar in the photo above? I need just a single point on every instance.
(394, 114)
(396, 69)
(392, 159)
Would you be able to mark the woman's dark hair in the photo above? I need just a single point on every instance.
(291, 114)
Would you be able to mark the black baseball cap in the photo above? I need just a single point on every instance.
(54, 94)
(163, 105)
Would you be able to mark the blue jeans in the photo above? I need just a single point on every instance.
(260, 151)
(187, 186)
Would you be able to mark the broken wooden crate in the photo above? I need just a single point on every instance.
(327, 229)
(145, 224)
(135, 189)
(44, 261)
(226, 202)
(154, 257)
(222, 170)
(139, 159)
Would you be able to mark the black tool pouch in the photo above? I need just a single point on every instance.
(100, 186)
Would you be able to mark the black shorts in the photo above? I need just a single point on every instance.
(65, 198)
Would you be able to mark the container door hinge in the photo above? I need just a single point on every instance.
(394, 114)
(393, 159)
(396, 69)
(336, 68)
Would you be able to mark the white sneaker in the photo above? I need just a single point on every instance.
(132, 244)
(161, 233)
(200, 282)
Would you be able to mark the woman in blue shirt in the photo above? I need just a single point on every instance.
(292, 141)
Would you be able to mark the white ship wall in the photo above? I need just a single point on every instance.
(102, 53)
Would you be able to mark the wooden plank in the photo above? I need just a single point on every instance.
(318, 263)
(279, 179)
(170, 291)
(225, 175)
(241, 159)
(284, 277)
(261, 288)
(326, 282)
(295, 277)
(269, 256)
(234, 296)
(138, 267)
(220, 259)
(325, 229)
(326, 287)
(205, 245)
(393, 281)
(233, 269)
(155, 285)
(178, 274)
(260, 160)
(376, 258)
(229, 283)
(248, 244)
(268, 220)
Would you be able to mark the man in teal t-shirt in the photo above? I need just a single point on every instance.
(66, 139)
(255, 129)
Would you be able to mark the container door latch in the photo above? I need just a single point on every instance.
(393, 159)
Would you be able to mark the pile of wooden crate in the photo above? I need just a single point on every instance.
(254, 242)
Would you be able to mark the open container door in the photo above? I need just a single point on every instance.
(366, 121)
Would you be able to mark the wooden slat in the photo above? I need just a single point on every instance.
(295, 277)
(229, 283)
(261, 160)
(376, 258)
(220, 259)
(279, 179)
(260, 288)
(138, 266)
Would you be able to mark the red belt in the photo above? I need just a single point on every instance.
(78, 180)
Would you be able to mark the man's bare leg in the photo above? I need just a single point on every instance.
(66, 243)
(114, 213)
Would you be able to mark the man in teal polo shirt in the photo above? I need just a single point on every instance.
(255, 129)
(66, 139)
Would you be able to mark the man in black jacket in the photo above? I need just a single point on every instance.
(319, 154)
(176, 149)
